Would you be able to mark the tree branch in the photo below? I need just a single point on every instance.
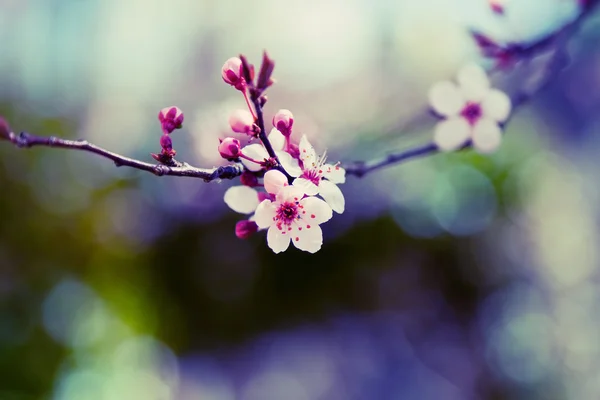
(557, 39)
(361, 168)
(27, 140)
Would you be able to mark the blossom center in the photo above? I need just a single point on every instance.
(286, 214)
(312, 175)
(472, 112)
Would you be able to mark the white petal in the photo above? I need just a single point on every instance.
(315, 211)
(274, 181)
(332, 195)
(496, 105)
(446, 99)
(307, 153)
(289, 163)
(242, 199)
(474, 83)
(290, 194)
(265, 214)
(257, 152)
(277, 139)
(277, 240)
(487, 136)
(310, 239)
(309, 188)
(451, 134)
(334, 173)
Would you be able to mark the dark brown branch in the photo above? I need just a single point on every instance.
(27, 140)
(258, 101)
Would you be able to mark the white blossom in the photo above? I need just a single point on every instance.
(291, 216)
(320, 178)
(472, 110)
(258, 152)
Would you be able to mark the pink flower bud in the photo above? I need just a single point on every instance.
(167, 153)
(230, 148)
(262, 196)
(166, 143)
(4, 129)
(249, 179)
(244, 229)
(241, 121)
(283, 121)
(232, 73)
(170, 118)
(294, 150)
(497, 6)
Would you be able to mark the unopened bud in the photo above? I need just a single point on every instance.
(232, 73)
(283, 121)
(166, 143)
(230, 148)
(248, 179)
(4, 129)
(245, 228)
(262, 196)
(497, 6)
(241, 121)
(167, 153)
(294, 150)
(170, 118)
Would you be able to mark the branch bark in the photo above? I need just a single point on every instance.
(27, 140)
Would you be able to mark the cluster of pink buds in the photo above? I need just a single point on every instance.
(285, 188)
(170, 118)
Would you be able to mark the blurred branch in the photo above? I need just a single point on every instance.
(175, 168)
(362, 168)
(556, 40)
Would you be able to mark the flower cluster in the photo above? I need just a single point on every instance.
(170, 118)
(286, 188)
(310, 176)
(289, 190)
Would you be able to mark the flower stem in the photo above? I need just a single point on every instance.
(245, 93)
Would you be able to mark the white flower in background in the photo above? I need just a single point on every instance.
(320, 178)
(291, 216)
(257, 151)
(472, 109)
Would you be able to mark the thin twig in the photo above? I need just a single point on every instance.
(262, 135)
(360, 169)
(27, 140)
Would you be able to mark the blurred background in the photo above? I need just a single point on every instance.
(457, 276)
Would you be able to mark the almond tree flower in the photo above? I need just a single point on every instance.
(170, 118)
(291, 216)
(471, 110)
(257, 152)
(320, 178)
